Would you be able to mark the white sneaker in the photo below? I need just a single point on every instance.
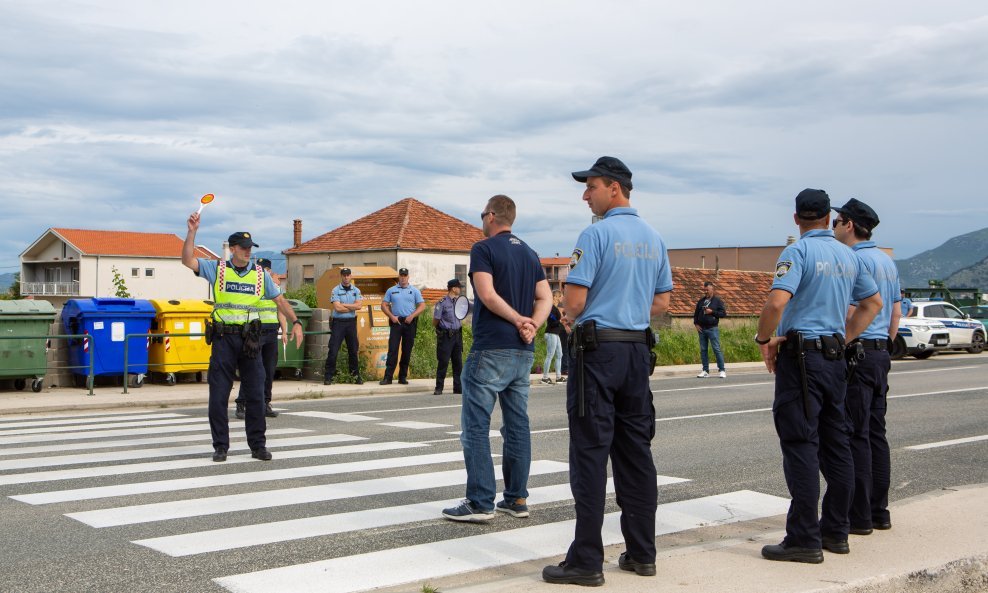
(703, 375)
(723, 374)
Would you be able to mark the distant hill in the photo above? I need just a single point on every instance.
(7, 279)
(975, 276)
(940, 263)
(278, 262)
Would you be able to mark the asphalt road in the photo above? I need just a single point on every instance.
(716, 434)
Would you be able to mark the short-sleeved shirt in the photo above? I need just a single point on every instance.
(515, 269)
(823, 276)
(446, 315)
(906, 305)
(208, 268)
(883, 271)
(403, 300)
(347, 295)
(623, 263)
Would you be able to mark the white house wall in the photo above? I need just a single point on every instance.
(171, 279)
(433, 270)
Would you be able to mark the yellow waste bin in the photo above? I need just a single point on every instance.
(372, 324)
(168, 356)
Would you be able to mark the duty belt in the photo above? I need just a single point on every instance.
(621, 335)
(808, 344)
(875, 344)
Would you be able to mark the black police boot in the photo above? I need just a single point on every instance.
(437, 391)
(785, 553)
(261, 453)
(571, 575)
(837, 546)
(241, 411)
(626, 562)
(860, 530)
(403, 381)
(385, 381)
(219, 454)
(269, 411)
(358, 380)
(327, 381)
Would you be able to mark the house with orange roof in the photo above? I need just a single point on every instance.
(77, 263)
(433, 245)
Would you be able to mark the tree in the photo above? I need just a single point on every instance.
(118, 281)
(14, 290)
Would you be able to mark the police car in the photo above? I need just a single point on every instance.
(937, 325)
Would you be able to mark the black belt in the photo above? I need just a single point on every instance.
(808, 344)
(621, 335)
(875, 344)
(231, 329)
(343, 319)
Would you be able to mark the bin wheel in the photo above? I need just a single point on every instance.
(19, 384)
(36, 385)
(139, 380)
(199, 377)
(170, 378)
(297, 374)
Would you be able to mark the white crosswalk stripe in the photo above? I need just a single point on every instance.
(196, 426)
(70, 421)
(52, 429)
(185, 438)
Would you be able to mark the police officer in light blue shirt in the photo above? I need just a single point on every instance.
(816, 279)
(402, 304)
(620, 278)
(346, 300)
(867, 387)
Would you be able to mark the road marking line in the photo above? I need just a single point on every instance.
(197, 507)
(937, 370)
(723, 386)
(238, 478)
(414, 425)
(949, 443)
(66, 422)
(491, 433)
(57, 416)
(350, 574)
(183, 438)
(411, 409)
(105, 434)
(333, 416)
(58, 429)
(938, 392)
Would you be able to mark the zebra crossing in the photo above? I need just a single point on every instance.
(158, 493)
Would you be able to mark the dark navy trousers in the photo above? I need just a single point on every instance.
(449, 346)
(619, 423)
(866, 405)
(402, 334)
(811, 446)
(226, 359)
(342, 330)
(269, 358)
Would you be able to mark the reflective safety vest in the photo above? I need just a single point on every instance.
(238, 298)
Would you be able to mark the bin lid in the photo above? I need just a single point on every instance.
(27, 307)
(300, 308)
(181, 307)
(107, 307)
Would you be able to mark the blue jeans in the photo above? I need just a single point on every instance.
(711, 335)
(489, 375)
(553, 350)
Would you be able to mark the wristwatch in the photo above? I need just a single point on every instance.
(297, 321)
(761, 342)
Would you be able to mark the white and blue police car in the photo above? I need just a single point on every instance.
(937, 325)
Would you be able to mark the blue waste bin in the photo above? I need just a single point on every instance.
(108, 321)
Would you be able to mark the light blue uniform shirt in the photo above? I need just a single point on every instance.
(623, 262)
(882, 269)
(906, 305)
(403, 300)
(823, 276)
(208, 267)
(347, 296)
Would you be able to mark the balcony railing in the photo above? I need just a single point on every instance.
(50, 288)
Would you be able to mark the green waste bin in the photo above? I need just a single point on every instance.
(291, 357)
(22, 359)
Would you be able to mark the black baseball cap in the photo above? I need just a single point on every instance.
(860, 213)
(453, 283)
(607, 166)
(345, 271)
(403, 272)
(264, 263)
(242, 238)
(812, 204)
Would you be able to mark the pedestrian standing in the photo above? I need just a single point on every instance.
(235, 335)
(449, 338)
(620, 278)
(815, 280)
(403, 303)
(706, 319)
(346, 300)
(512, 301)
(555, 333)
(867, 386)
(273, 324)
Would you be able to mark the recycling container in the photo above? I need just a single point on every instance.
(107, 322)
(291, 357)
(23, 359)
(170, 356)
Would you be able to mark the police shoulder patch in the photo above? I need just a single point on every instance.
(782, 268)
(575, 258)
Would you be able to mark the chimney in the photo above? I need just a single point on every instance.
(296, 232)
(790, 240)
(226, 250)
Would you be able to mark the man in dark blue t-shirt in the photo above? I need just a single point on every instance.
(513, 300)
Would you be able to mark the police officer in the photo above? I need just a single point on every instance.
(272, 324)
(402, 304)
(815, 280)
(238, 291)
(868, 384)
(346, 300)
(449, 338)
(620, 277)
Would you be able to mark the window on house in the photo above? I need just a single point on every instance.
(461, 273)
(75, 274)
(308, 274)
(53, 275)
(135, 272)
(149, 272)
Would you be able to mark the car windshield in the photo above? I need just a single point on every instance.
(976, 312)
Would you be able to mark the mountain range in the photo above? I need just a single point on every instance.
(961, 261)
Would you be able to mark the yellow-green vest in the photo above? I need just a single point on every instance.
(238, 298)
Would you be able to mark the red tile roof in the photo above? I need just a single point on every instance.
(743, 292)
(555, 261)
(408, 224)
(433, 295)
(127, 243)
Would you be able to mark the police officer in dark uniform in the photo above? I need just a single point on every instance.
(272, 324)
(346, 300)
(449, 338)
(239, 291)
(620, 277)
(815, 280)
(867, 386)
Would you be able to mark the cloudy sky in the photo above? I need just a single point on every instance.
(120, 114)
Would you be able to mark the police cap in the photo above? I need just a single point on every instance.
(264, 263)
(345, 271)
(860, 213)
(607, 166)
(812, 204)
(454, 283)
(403, 272)
(243, 239)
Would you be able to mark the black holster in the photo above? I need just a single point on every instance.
(796, 338)
(854, 353)
(251, 335)
(651, 339)
(209, 333)
(584, 340)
